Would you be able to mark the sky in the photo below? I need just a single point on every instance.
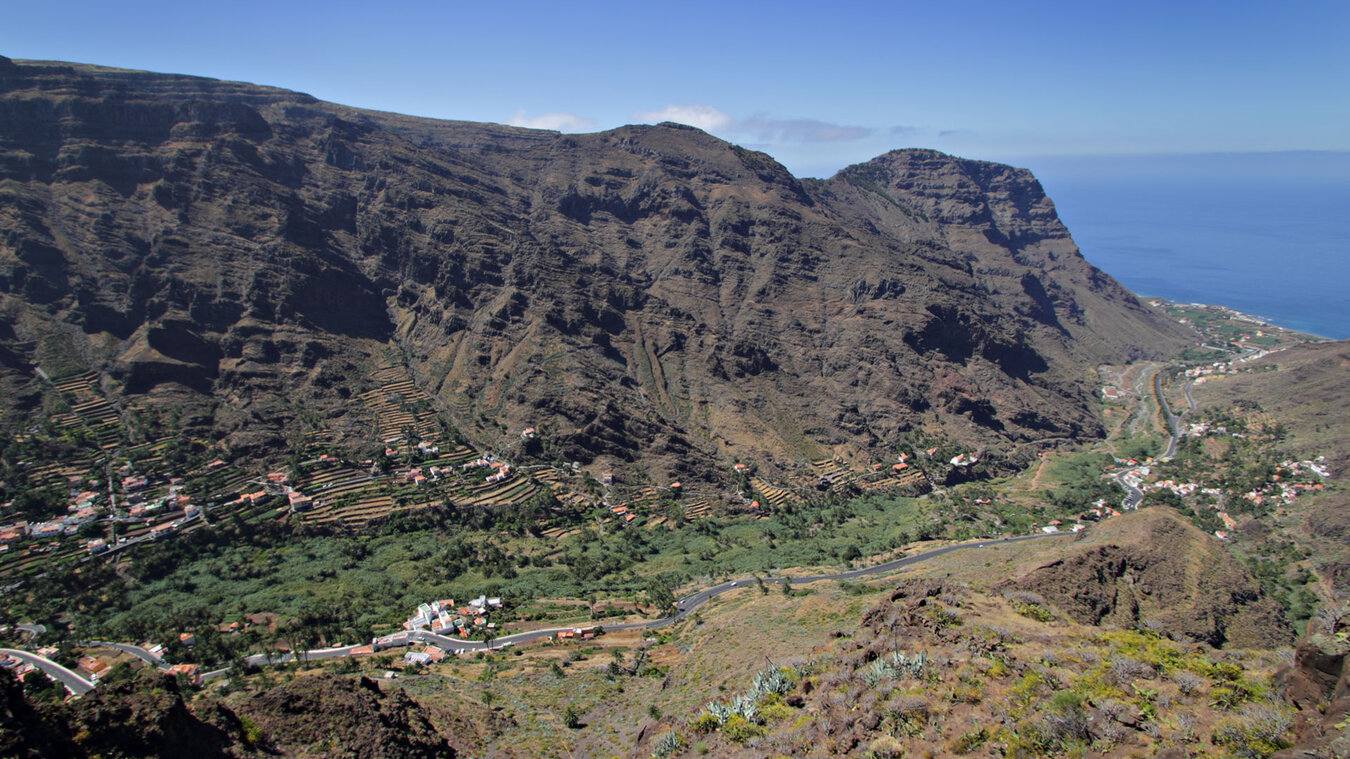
(817, 85)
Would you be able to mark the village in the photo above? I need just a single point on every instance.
(119, 496)
(116, 495)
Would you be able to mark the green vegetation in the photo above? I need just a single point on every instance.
(343, 588)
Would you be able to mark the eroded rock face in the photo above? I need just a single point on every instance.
(1151, 568)
(343, 717)
(145, 717)
(645, 293)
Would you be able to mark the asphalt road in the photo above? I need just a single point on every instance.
(687, 605)
(73, 682)
(683, 608)
(1133, 495)
(1173, 421)
(127, 648)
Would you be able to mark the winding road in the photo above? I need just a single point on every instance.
(136, 651)
(683, 607)
(73, 682)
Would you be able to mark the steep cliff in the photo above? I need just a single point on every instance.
(650, 293)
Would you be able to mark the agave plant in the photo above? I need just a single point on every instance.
(770, 681)
(718, 710)
(880, 670)
(667, 745)
(747, 706)
(911, 666)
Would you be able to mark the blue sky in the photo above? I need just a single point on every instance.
(818, 87)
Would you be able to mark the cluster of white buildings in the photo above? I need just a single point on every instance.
(1202, 373)
(442, 617)
(503, 469)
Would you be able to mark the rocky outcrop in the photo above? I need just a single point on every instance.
(24, 732)
(144, 717)
(1151, 568)
(342, 717)
(650, 293)
(1318, 684)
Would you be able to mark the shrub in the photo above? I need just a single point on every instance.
(1187, 682)
(776, 712)
(910, 714)
(1231, 695)
(705, 723)
(885, 747)
(968, 690)
(1258, 731)
(967, 742)
(739, 729)
(1033, 611)
(571, 717)
(1126, 669)
(252, 733)
(942, 617)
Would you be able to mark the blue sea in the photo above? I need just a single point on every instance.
(1264, 237)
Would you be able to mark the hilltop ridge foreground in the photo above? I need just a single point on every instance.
(646, 298)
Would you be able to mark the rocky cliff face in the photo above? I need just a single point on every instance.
(327, 716)
(147, 716)
(648, 293)
(144, 717)
(1150, 568)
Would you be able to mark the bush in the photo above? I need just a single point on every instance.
(1231, 695)
(942, 617)
(1187, 682)
(1033, 611)
(571, 717)
(705, 723)
(1126, 669)
(968, 742)
(1258, 731)
(739, 729)
(885, 747)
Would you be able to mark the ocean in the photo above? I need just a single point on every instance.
(1268, 243)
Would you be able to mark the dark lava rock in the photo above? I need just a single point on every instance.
(333, 716)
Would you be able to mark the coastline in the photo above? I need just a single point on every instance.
(1257, 321)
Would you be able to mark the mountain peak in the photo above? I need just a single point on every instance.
(651, 295)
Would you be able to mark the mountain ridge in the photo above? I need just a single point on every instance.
(647, 294)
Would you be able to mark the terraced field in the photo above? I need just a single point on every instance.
(832, 471)
(770, 496)
(698, 508)
(88, 409)
(908, 479)
(399, 405)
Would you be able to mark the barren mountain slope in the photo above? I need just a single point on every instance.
(646, 294)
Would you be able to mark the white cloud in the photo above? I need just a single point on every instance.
(558, 122)
(758, 127)
(801, 130)
(704, 117)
